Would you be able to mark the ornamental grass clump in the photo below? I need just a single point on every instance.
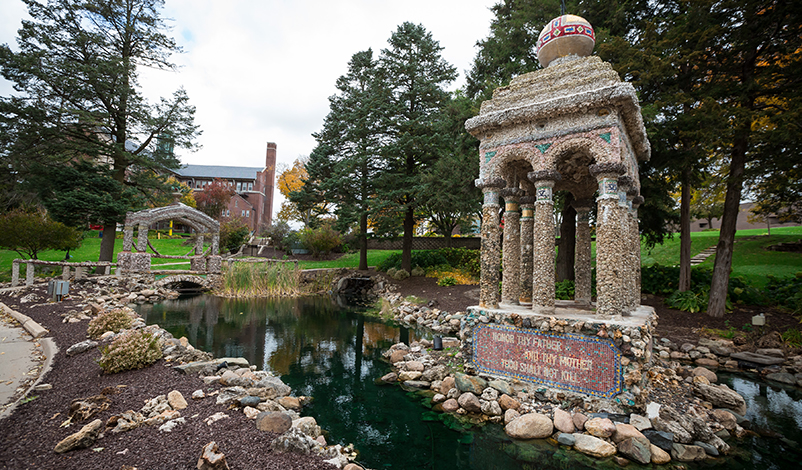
(133, 349)
(114, 320)
(262, 279)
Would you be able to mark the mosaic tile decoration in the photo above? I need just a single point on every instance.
(577, 363)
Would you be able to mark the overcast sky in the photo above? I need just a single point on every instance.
(261, 71)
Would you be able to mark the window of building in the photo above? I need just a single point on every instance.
(247, 214)
(250, 186)
(228, 213)
(239, 187)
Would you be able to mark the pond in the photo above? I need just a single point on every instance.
(333, 354)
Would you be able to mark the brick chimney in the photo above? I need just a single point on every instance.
(270, 182)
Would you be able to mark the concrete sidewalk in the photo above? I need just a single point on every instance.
(23, 358)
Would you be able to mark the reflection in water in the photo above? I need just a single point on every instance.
(333, 354)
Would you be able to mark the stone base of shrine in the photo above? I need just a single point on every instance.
(570, 348)
(129, 261)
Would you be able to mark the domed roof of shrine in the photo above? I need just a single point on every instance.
(563, 36)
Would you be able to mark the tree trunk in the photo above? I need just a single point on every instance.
(716, 307)
(363, 241)
(406, 245)
(107, 242)
(685, 233)
(567, 246)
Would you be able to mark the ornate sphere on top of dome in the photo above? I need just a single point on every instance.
(565, 35)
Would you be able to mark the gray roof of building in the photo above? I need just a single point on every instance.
(216, 171)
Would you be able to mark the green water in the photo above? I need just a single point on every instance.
(334, 355)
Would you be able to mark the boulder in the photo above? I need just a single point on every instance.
(450, 406)
(566, 439)
(563, 421)
(446, 385)
(250, 400)
(709, 449)
(782, 377)
(82, 439)
(193, 368)
(470, 402)
(272, 386)
(661, 439)
(489, 394)
(470, 383)
(397, 356)
(294, 440)
(600, 427)
(81, 347)
(176, 400)
(530, 426)
(721, 396)
(211, 458)
(438, 372)
(406, 375)
(502, 386)
(308, 426)
(659, 456)
(706, 373)
(508, 403)
(415, 366)
(390, 377)
(491, 408)
(510, 415)
(626, 431)
(641, 423)
(579, 420)
(290, 403)
(726, 419)
(687, 453)
(273, 421)
(593, 446)
(637, 449)
(705, 362)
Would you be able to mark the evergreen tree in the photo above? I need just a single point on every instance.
(414, 73)
(343, 167)
(79, 103)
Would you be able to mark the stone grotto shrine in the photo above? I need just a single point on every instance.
(572, 126)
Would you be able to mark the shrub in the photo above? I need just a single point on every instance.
(447, 281)
(131, 350)
(786, 292)
(564, 290)
(689, 301)
(417, 271)
(462, 258)
(401, 274)
(111, 320)
(233, 234)
(277, 233)
(320, 241)
(391, 272)
(422, 258)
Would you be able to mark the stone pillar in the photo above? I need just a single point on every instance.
(197, 263)
(491, 249)
(199, 245)
(128, 237)
(636, 202)
(15, 273)
(527, 221)
(215, 244)
(65, 273)
(142, 238)
(30, 268)
(511, 277)
(79, 272)
(625, 183)
(543, 241)
(610, 246)
(583, 270)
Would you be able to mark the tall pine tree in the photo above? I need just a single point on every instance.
(79, 102)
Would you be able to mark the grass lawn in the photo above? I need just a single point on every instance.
(750, 259)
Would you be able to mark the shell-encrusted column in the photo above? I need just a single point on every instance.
(582, 255)
(491, 247)
(199, 245)
(128, 237)
(636, 202)
(610, 245)
(215, 250)
(543, 240)
(625, 185)
(511, 261)
(527, 221)
(142, 238)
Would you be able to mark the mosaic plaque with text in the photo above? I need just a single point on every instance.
(584, 364)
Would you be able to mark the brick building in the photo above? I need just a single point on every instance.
(253, 186)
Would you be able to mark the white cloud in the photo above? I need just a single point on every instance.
(261, 71)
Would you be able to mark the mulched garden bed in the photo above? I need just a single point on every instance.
(31, 432)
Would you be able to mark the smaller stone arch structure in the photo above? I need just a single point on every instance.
(185, 281)
(135, 258)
